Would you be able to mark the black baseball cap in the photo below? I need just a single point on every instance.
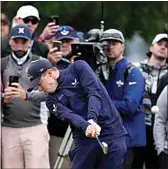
(36, 69)
(21, 31)
(66, 32)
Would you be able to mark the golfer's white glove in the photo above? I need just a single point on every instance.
(98, 128)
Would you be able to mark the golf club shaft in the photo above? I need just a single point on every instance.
(99, 141)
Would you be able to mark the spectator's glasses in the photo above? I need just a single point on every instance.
(33, 20)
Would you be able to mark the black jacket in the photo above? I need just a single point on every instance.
(162, 84)
(38, 48)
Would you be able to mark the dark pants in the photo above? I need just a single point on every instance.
(128, 158)
(90, 156)
(146, 155)
(163, 160)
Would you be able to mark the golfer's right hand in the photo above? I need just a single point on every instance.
(91, 131)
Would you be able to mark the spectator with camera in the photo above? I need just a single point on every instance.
(152, 68)
(160, 131)
(125, 85)
(67, 35)
(24, 128)
(29, 16)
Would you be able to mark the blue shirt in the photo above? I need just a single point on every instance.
(80, 96)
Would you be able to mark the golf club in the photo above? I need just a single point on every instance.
(103, 145)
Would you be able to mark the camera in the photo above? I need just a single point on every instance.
(90, 52)
(93, 35)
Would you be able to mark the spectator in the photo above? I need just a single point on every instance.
(24, 135)
(57, 128)
(28, 15)
(86, 106)
(5, 25)
(67, 35)
(125, 85)
(161, 129)
(152, 69)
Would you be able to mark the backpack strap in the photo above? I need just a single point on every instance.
(127, 69)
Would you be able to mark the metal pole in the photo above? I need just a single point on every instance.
(64, 148)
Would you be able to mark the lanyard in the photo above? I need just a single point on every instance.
(31, 45)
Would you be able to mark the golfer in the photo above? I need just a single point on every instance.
(75, 95)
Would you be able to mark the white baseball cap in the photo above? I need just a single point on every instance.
(159, 37)
(26, 11)
(112, 34)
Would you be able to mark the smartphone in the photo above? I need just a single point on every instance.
(13, 79)
(54, 18)
(57, 44)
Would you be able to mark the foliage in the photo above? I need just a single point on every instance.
(148, 18)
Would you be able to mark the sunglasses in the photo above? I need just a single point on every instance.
(33, 21)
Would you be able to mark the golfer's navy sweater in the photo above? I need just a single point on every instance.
(80, 96)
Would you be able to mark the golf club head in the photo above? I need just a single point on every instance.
(105, 147)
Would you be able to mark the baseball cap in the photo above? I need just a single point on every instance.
(66, 32)
(112, 34)
(21, 31)
(158, 38)
(26, 11)
(36, 69)
(5, 19)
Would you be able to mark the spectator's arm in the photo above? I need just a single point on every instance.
(161, 120)
(36, 96)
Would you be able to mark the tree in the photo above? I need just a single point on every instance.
(148, 18)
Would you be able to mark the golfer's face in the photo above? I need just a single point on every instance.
(47, 83)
